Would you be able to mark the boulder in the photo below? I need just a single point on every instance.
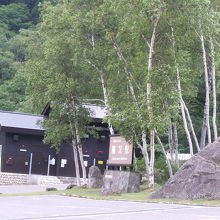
(70, 186)
(198, 178)
(95, 178)
(51, 189)
(116, 181)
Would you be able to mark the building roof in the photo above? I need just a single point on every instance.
(20, 120)
(30, 121)
(96, 111)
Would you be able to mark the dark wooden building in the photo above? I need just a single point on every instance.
(22, 149)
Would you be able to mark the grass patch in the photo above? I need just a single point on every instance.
(75, 190)
(33, 193)
(187, 202)
(142, 196)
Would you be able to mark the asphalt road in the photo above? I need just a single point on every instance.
(54, 207)
(13, 189)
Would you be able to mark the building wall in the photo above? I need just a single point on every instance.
(18, 146)
(17, 151)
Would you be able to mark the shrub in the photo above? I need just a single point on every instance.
(161, 172)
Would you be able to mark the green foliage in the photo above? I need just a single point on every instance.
(56, 75)
(12, 93)
(15, 16)
(141, 167)
(13, 80)
(7, 69)
(60, 125)
(77, 42)
(31, 5)
(161, 171)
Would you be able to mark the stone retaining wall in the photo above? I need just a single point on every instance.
(13, 179)
(22, 179)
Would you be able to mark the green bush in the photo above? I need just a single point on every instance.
(161, 172)
(141, 168)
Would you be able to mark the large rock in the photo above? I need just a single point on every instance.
(198, 178)
(121, 182)
(95, 178)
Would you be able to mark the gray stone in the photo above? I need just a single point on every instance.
(70, 186)
(121, 182)
(95, 178)
(198, 178)
(33, 179)
(51, 189)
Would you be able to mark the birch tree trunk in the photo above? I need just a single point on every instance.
(106, 100)
(75, 153)
(145, 154)
(103, 82)
(203, 132)
(78, 153)
(78, 141)
(176, 145)
(180, 98)
(79, 147)
(149, 104)
(213, 87)
(105, 95)
(135, 160)
(152, 159)
(191, 126)
(171, 141)
(186, 128)
(149, 162)
(143, 147)
(76, 162)
(164, 153)
(206, 108)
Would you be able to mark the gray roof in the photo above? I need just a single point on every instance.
(96, 111)
(20, 120)
(30, 121)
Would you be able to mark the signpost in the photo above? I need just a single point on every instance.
(30, 163)
(120, 151)
(120, 180)
(48, 166)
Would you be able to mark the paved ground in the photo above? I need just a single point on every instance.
(54, 207)
(28, 188)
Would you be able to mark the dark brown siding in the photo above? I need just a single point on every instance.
(17, 147)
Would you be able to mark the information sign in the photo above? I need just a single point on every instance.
(120, 151)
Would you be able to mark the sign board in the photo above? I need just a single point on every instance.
(85, 163)
(63, 162)
(120, 151)
(52, 161)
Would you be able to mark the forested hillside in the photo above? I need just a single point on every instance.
(16, 18)
(154, 65)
